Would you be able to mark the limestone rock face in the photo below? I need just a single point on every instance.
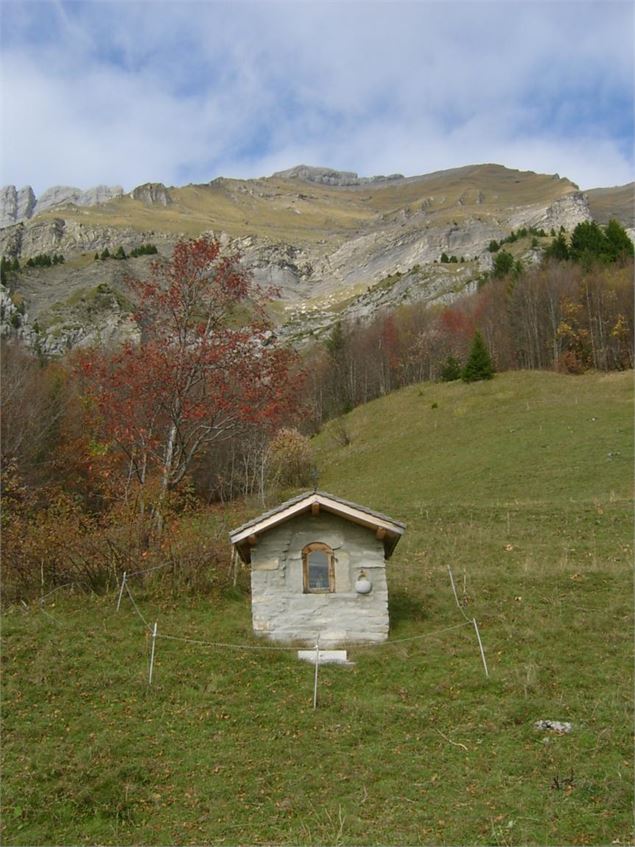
(8, 205)
(61, 195)
(100, 194)
(26, 203)
(22, 205)
(16, 205)
(328, 176)
(70, 237)
(152, 194)
(567, 211)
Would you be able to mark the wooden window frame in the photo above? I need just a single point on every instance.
(324, 548)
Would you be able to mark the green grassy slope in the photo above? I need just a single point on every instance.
(522, 485)
(521, 437)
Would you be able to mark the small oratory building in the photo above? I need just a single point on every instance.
(318, 566)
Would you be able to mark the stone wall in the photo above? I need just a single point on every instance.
(280, 609)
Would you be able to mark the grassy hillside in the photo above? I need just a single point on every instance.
(523, 486)
(304, 212)
(618, 203)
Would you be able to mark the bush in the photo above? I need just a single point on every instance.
(144, 250)
(42, 260)
(50, 541)
(289, 459)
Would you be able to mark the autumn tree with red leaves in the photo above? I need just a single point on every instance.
(208, 364)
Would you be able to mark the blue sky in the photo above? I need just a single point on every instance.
(123, 93)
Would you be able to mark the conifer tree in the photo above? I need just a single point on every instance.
(503, 264)
(451, 370)
(558, 249)
(588, 242)
(479, 364)
(620, 245)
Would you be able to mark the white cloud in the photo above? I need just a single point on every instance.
(110, 93)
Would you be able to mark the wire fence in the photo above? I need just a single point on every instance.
(149, 570)
(136, 608)
(224, 645)
(294, 649)
(154, 634)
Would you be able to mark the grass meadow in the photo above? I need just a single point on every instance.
(522, 486)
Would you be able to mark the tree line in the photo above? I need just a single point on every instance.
(570, 313)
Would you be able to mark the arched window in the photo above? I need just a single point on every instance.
(317, 567)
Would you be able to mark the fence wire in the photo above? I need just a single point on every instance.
(149, 570)
(273, 647)
(225, 644)
(136, 608)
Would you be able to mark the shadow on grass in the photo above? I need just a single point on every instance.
(403, 607)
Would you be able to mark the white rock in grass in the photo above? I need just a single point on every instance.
(555, 726)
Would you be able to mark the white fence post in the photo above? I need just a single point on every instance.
(456, 597)
(315, 678)
(478, 635)
(123, 585)
(154, 641)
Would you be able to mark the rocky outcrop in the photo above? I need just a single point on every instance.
(8, 205)
(152, 194)
(22, 205)
(16, 205)
(68, 237)
(61, 195)
(567, 211)
(26, 203)
(327, 176)
(90, 316)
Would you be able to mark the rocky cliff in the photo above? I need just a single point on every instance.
(152, 194)
(327, 176)
(22, 205)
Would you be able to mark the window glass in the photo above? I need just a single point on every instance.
(318, 576)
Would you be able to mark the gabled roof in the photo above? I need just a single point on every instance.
(388, 530)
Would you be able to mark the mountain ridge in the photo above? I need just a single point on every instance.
(334, 250)
(17, 205)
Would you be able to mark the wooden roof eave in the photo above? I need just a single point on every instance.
(387, 530)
